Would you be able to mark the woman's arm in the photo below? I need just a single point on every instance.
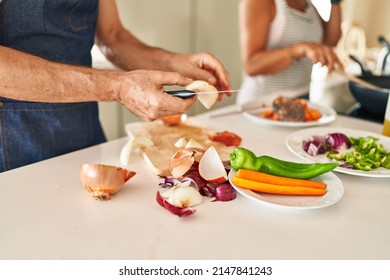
(332, 28)
(255, 18)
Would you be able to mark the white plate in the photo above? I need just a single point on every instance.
(265, 103)
(294, 143)
(334, 194)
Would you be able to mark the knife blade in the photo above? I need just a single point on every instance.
(184, 93)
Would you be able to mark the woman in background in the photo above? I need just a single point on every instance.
(280, 40)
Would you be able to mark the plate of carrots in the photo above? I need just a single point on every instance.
(285, 111)
(319, 192)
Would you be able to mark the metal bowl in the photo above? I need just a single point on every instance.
(372, 101)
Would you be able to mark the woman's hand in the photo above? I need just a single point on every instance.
(317, 53)
(142, 92)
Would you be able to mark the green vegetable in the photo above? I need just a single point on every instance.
(368, 154)
(241, 158)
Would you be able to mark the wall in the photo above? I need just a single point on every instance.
(373, 16)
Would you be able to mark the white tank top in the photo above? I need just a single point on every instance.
(289, 27)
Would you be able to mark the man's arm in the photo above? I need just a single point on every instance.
(30, 78)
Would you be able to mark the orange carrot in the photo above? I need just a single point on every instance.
(267, 114)
(276, 189)
(278, 180)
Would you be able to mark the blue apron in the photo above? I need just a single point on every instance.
(61, 31)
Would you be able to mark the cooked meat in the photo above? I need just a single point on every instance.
(286, 109)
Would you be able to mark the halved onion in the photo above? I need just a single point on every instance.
(102, 181)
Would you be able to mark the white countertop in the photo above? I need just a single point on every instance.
(45, 213)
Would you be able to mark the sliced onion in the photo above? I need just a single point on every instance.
(184, 196)
(338, 140)
(179, 211)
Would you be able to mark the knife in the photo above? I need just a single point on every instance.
(184, 93)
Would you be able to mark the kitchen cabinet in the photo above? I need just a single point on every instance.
(183, 26)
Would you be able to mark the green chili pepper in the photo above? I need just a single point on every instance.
(241, 158)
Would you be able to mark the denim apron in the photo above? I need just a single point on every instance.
(61, 31)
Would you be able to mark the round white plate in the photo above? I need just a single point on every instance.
(335, 192)
(252, 111)
(294, 143)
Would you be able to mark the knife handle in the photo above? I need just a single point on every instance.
(183, 93)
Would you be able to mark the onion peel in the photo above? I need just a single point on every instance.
(102, 181)
(179, 211)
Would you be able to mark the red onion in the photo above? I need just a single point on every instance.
(225, 192)
(180, 211)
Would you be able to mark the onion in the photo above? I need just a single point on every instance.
(225, 192)
(102, 181)
(180, 211)
(338, 140)
(207, 100)
(183, 196)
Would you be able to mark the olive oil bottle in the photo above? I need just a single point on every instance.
(386, 124)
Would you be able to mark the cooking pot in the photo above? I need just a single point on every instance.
(372, 102)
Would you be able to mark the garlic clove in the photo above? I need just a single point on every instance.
(134, 143)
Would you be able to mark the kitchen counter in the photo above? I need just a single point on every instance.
(45, 213)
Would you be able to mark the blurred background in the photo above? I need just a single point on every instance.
(212, 25)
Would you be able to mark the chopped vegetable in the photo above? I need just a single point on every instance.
(180, 211)
(276, 189)
(277, 180)
(367, 155)
(322, 144)
(226, 137)
(241, 158)
(176, 202)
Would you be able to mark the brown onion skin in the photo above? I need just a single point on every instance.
(102, 181)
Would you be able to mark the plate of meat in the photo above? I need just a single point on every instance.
(286, 111)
